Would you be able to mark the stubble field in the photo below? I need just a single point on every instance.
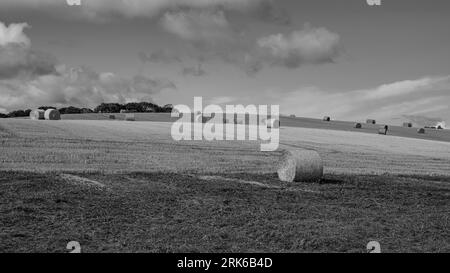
(127, 186)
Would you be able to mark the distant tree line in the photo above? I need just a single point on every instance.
(133, 107)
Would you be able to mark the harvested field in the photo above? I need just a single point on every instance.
(128, 187)
(164, 212)
(111, 146)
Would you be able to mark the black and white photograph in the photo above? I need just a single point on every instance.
(221, 127)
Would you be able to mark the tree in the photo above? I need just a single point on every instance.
(109, 108)
(45, 108)
(167, 108)
(17, 113)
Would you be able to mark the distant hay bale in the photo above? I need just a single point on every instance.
(37, 114)
(130, 117)
(407, 124)
(273, 123)
(326, 118)
(300, 166)
(371, 121)
(52, 114)
(358, 125)
(292, 116)
(421, 131)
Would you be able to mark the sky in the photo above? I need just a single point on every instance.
(314, 58)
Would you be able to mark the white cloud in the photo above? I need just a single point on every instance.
(13, 34)
(306, 46)
(80, 87)
(389, 102)
(29, 78)
(16, 56)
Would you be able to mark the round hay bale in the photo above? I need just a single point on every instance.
(52, 114)
(130, 117)
(300, 166)
(37, 114)
(421, 131)
(292, 116)
(358, 126)
(371, 121)
(326, 118)
(273, 123)
(407, 124)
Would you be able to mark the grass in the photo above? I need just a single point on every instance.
(166, 196)
(298, 122)
(167, 212)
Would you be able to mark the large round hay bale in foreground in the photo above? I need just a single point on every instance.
(37, 114)
(52, 114)
(300, 166)
(421, 131)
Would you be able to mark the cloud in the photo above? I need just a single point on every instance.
(203, 28)
(13, 34)
(215, 38)
(30, 78)
(79, 87)
(306, 46)
(106, 10)
(18, 60)
(266, 11)
(389, 102)
(16, 56)
(195, 71)
(160, 56)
